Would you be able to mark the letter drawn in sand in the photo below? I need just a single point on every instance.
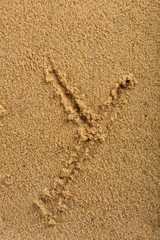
(91, 130)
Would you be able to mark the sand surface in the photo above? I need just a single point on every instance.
(79, 120)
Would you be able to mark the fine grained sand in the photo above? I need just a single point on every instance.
(79, 120)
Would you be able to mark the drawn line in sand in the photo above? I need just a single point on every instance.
(91, 129)
(72, 103)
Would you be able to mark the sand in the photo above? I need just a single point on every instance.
(79, 120)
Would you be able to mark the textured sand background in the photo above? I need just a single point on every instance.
(79, 120)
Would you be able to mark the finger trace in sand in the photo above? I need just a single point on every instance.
(126, 81)
(77, 110)
(52, 202)
(72, 103)
(117, 98)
